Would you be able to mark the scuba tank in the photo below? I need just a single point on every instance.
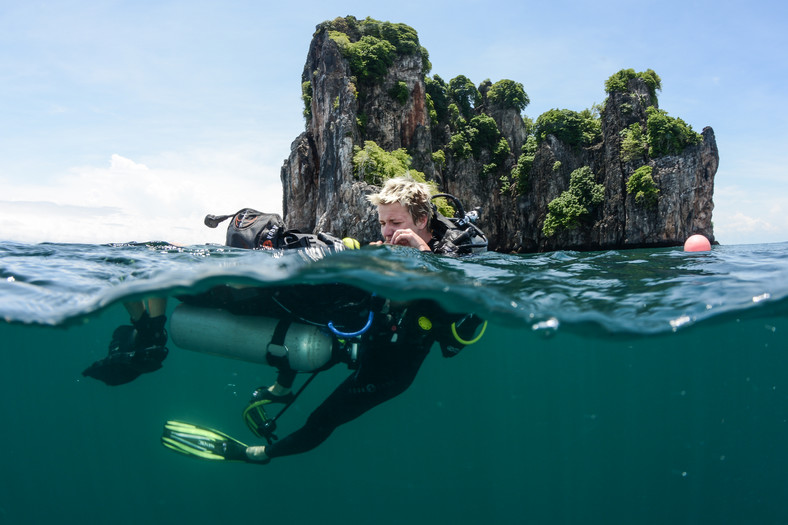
(215, 331)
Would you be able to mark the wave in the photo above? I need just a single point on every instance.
(632, 291)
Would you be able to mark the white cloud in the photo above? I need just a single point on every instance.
(743, 224)
(165, 198)
(749, 217)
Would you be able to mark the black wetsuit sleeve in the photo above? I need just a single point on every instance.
(386, 370)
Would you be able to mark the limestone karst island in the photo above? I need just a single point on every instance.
(625, 174)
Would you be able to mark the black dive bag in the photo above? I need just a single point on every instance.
(255, 230)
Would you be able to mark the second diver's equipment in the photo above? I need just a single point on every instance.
(202, 442)
(457, 234)
(255, 230)
(306, 348)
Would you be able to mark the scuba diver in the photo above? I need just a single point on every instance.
(383, 342)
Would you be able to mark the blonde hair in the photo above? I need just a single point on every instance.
(413, 195)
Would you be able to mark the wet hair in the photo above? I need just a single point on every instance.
(414, 195)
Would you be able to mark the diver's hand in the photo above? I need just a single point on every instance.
(407, 237)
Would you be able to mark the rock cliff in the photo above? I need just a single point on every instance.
(345, 110)
(320, 191)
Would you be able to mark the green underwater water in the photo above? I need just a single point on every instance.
(574, 425)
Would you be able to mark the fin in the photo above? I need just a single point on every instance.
(202, 442)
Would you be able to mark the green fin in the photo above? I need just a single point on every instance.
(202, 442)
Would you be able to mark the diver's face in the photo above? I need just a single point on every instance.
(395, 217)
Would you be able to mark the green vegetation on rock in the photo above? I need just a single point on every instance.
(668, 135)
(570, 127)
(371, 46)
(619, 82)
(516, 181)
(641, 184)
(500, 153)
(306, 96)
(480, 133)
(437, 93)
(369, 58)
(439, 159)
(575, 204)
(375, 165)
(400, 92)
(633, 144)
(459, 116)
(508, 94)
(463, 93)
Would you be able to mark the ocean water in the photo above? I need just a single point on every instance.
(642, 386)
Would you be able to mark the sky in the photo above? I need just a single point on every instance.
(131, 120)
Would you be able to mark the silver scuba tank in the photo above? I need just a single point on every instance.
(248, 338)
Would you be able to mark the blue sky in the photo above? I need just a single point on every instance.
(130, 120)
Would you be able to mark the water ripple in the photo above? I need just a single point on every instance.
(633, 291)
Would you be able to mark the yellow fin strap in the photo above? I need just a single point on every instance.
(463, 341)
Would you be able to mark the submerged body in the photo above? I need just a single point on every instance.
(663, 380)
(384, 357)
(386, 354)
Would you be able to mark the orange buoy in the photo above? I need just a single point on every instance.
(697, 243)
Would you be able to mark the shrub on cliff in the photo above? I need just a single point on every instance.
(668, 135)
(306, 96)
(371, 45)
(516, 181)
(369, 58)
(508, 94)
(487, 135)
(499, 154)
(437, 91)
(570, 127)
(633, 144)
(575, 204)
(374, 165)
(479, 134)
(400, 92)
(641, 184)
(460, 143)
(464, 94)
(619, 82)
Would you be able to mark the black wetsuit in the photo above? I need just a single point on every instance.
(391, 351)
(385, 369)
(392, 354)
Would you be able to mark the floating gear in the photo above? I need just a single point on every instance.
(256, 230)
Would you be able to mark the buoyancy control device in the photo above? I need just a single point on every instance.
(275, 340)
(305, 347)
(256, 230)
(459, 234)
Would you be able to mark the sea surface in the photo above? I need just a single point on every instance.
(616, 387)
